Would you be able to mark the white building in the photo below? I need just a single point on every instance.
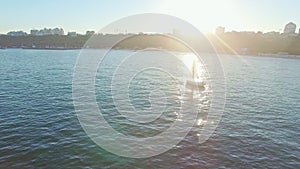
(45, 31)
(220, 30)
(16, 33)
(57, 31)
(290, 28)
(72, 34)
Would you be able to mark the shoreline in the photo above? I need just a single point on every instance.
(287, 56)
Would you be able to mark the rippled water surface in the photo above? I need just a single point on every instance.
(39, 127)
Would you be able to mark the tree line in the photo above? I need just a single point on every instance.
(229, 42)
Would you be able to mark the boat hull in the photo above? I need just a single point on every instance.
(193, 85)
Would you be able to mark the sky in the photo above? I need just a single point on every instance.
(206, 15)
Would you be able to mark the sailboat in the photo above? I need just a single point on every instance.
(194, 83)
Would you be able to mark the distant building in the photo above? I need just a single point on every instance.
(249, 32)
(57, 31)
(220, 30)
(45, 31)
(271, 34)
(34, 32)
(90, 32)
(16, 33)
(290, 28)
(72, 34)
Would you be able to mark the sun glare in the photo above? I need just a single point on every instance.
(188, 60)
(205, 14)
(194, 65)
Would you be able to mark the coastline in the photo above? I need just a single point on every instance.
(271, 55)
(278, 55)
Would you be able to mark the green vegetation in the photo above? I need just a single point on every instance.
(231, 42)
(255, 43)
(49, 41)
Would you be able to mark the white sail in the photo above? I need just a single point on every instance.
(194, 82)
